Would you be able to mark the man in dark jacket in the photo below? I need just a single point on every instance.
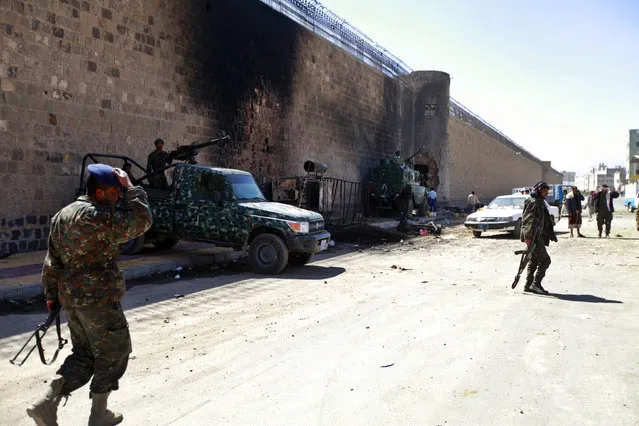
(605, 208)
(537, 228)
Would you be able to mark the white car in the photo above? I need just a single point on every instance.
(504, 214)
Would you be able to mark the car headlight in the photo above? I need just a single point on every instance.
(299, 227)
(510, 218)
(471, 219)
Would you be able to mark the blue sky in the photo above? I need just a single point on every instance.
(561, 78)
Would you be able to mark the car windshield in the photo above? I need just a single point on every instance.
(245, 188)
(507, 203)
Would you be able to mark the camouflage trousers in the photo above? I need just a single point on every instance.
(538, 264)
(101, 348)
(604, 218)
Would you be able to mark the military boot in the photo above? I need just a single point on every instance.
(529, 282)
(100, 416)
(45, 411)
(537, 289)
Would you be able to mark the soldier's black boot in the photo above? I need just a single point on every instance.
(100, 416)
(45, 410)
(537, 289)
(529, 282)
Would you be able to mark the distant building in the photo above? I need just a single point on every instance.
(569, 178)
(585, 182)
(614, 177)
(632, 159)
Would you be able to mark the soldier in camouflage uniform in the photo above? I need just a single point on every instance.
(80, 273)
(156, 161)
(537, 226)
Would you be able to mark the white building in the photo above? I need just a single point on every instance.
(604, 175)
(569, 178)
(585, 182)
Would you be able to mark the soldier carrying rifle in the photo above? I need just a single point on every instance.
(81, 275)
(537, 231)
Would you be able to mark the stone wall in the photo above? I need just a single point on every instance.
(486, 162)
(111, 76)
(79, 76)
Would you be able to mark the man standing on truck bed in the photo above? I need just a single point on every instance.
(80, 273)
(156, 162)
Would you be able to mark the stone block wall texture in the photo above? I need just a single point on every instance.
(79, 76)
(487, 164)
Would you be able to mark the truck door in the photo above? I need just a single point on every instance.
(198, 205)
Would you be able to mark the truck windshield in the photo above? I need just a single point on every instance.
(244, 187)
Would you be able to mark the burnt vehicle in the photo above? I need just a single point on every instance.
(397, 187)
(224, 207)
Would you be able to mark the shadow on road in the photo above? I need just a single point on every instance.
(307, 272)
(587, 298)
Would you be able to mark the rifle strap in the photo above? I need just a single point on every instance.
(61, 342)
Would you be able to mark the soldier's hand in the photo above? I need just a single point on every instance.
(123, 178)
(528, 243)
(52, 305)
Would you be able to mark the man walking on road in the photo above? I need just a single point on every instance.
(605, 208)
(80, 273)
(537, 227)
(473, 202)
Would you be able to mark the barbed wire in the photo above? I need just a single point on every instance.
(316, 17)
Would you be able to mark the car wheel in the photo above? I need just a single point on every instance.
(299, 258)
(517, 231)
(476, 234)
(268, 254)
(133, 246)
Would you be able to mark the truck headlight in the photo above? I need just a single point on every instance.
(299, 227)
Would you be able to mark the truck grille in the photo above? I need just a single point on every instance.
(316, 226)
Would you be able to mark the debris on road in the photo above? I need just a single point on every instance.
(177, 296)
(401, 268)
(387, 365)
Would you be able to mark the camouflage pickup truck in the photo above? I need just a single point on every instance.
(225, 207)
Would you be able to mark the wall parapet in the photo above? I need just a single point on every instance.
(317, 18)
(458, 110)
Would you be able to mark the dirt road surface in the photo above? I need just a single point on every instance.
(441, 340)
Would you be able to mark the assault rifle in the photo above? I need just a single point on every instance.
(525, 257)
(187, 153)
(39, 333)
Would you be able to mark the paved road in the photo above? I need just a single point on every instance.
(441, 340)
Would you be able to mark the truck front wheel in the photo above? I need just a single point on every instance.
(268, 254)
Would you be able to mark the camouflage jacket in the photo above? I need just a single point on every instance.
(536, 217)
(80, 268)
